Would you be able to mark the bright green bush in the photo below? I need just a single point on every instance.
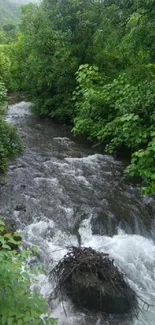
(143, 165)
(10, 143)
(3, 96)
(119, 115)
(5, 66)
(18, 305)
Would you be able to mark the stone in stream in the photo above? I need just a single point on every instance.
(92, 281)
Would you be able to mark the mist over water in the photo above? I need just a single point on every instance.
(60, 192)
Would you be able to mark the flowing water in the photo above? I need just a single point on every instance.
(60, 192)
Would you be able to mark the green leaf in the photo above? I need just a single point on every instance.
(4, 320)
(1, 222)
(10, 320)
(5, 246)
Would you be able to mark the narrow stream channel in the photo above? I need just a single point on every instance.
(61, 192)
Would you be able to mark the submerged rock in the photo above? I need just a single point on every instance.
(92, 281)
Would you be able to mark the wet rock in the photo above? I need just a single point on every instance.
(91, 292)
(92, 281)
(20, 207)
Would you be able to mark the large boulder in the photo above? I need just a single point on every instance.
(90, 292)
(92, 281)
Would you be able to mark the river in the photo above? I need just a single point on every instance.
(62, 192)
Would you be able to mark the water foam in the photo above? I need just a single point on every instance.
(18, 111)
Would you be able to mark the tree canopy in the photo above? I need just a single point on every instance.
(9, 11)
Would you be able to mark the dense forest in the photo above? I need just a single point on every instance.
(92, 64)
(9, 11)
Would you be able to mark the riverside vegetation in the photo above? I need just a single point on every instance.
(10, 143)
(18, 305)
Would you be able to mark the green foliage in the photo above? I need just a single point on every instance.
(142, 164)
(50, 50)
(10, 144)
(8, 11)
(3, 95)
(5, 66)
(8, 33)
(18, 305)
(119, 115)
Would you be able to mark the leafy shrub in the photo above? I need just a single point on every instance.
(18, 305)
(143, 164)
(5, 65)
(3, 97)
(10, 143)
(118, 115)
